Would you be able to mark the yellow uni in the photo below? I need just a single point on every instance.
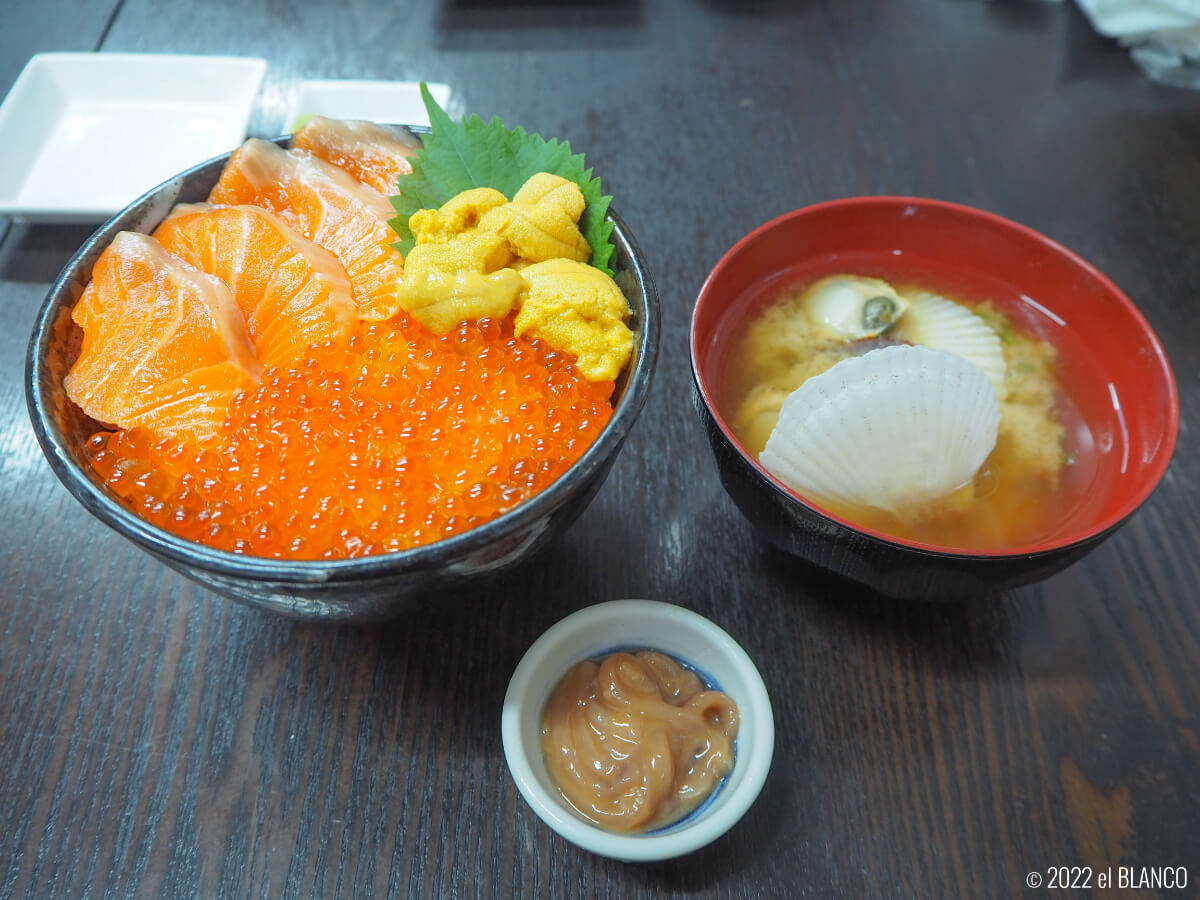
(479, 255)
(459, 214)
(575, 307)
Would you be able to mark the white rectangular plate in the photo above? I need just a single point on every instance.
(82, 135)
(389, 102)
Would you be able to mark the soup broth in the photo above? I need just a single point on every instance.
(1033, 479)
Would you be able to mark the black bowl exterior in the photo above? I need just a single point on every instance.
(892, 569)
(366, 589)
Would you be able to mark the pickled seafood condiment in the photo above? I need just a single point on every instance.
(636, 741)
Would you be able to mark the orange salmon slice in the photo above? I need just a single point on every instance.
(372, 154)
(165, 346)
(327, 206)
(293, 293)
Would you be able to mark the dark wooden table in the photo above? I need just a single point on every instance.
(160, 741)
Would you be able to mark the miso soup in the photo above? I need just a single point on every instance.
(1027, 486)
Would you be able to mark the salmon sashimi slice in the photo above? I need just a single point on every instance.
(165, 347)
(327, 206)
(293, 293)
(372, 154)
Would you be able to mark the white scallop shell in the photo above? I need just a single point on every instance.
(942, 324)
(837, 303)
(894, 427)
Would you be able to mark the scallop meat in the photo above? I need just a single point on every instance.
(853, 308)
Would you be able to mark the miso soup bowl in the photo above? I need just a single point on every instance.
(1110, 364)
(365, 589)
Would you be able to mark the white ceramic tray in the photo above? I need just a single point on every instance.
(82, 135)
(395, 102)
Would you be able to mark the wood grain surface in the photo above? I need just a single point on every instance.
(159, 741)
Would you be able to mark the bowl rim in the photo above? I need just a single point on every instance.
(1074, 538)
(756, 721)
(99, 502)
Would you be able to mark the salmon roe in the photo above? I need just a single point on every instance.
(399, 439)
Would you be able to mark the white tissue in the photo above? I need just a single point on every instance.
(1164, 35)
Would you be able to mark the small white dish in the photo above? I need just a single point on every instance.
(82, 135)
(636, 624)
(394, 102)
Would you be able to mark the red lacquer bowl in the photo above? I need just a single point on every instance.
(1110, 364)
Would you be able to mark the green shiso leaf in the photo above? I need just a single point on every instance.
(459, 156)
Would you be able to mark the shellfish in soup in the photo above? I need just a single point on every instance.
(934, 321)
(853, 308)
(892, 429)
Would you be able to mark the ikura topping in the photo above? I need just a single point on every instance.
(636, 741)
(403, 438)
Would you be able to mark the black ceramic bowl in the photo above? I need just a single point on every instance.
(365, 589)
(1110, 364)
